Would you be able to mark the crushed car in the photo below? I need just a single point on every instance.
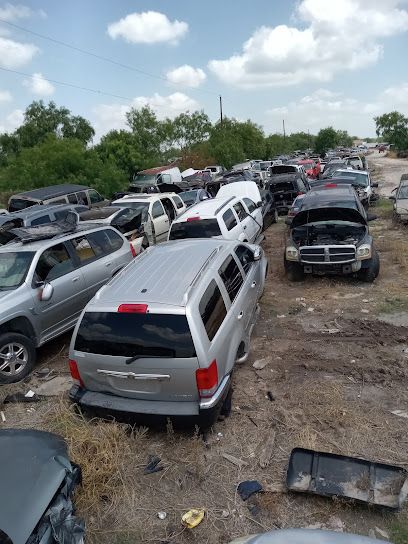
(38, 482)
(285, 188)
(330, 235)
(400, 200)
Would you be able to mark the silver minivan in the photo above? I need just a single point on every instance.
(158, 341)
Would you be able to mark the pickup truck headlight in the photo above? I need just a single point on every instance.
(292, 254)
(364, 252)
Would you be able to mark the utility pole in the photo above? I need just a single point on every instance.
(308, 137)
(221, 116)
(284, 132)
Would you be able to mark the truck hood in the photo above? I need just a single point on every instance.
(328, 214)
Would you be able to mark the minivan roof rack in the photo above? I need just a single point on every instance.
(200, 272)
(51, 230)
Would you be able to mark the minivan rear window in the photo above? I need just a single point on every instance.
(131, 334)
(202, 228)
(17, 204)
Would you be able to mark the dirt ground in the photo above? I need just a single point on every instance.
(389, 170)
(336, 365)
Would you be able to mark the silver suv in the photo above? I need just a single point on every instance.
(45, 284)
(163, 336)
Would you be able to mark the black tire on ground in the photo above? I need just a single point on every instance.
(294, 271)
(19, 352)
(371, 272)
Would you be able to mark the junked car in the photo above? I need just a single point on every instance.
(285, 188)
(47, 276)
(312, 168)
(330, 235)
(154, 342)
(360, 180)
(194, 196)
(40, 481)
(148, 181)
(401, 199)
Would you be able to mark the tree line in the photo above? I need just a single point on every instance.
(54, 146)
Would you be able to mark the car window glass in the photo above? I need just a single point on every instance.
(212, 309)
(245, 257)
(127, 220)
(61, 215)
(229, 219)
(301, 186)
(82, 198)
(178, 201)
(72, 198)
(164, 178)
(94, 196)
(250, 204)
(56, 201)
(42, 220)
(231, 276)
(53, 263)
(240, 211)
(100, 242)
(157, 210)
(83, 249)
(116, 241)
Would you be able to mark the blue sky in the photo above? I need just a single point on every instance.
(310, 62)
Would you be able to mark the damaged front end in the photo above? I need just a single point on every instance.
(329, 241)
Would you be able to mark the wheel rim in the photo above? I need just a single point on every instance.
(13, 359)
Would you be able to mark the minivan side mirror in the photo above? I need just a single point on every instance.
(371, 217)
(46, 292)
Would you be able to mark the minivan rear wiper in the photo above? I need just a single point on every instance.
(137, 357)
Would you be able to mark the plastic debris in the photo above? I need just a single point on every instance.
(310, 309)
(248, 488)
(281, 316)
(234, 460)
(382, 533)
(20, 397)
(329, 331)
(400, 413)
(3, 417)
(193, 517)
(29, 394)
(219, 436)
(364, 311)
(162, 515)
(225, 514)
(153, 465)
(260, 364)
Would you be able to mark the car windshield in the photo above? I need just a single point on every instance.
(358, 179)
(13, 268)
(141, 207)
(203, 228)
(403, 192)
(17, 204)
(308, 165)
(188, 197)
(144, 179)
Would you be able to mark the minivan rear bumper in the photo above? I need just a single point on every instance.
(108, 406)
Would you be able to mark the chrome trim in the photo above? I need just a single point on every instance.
(205, 404)
(133, 375)
(325, 254)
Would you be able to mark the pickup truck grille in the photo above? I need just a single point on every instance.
(327, 254)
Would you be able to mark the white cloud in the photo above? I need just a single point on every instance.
(15, 54)
(5, 96)
(38, 85)
(186, 76)
(333, 36)
(113, 116)
(398, 95)
(148, 27)
(10, 12)
(12, 121)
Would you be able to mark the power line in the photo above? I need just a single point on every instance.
(94, 55)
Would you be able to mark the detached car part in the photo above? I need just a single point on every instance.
(306, 536)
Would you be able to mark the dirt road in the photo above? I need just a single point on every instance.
(334, 366)
(387, 171)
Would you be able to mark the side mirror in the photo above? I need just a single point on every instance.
(259, 204)
(47, 292)
(257, 254)
(375, 184)
(371, 217)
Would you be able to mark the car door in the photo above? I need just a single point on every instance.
(252, 282)
(161, 222)
(248, 225)
(57, 267)
(232, 228)
(95, 257)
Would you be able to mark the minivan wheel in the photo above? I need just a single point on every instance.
(17, 357)
(371, 272)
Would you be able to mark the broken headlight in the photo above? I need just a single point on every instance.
(292, 254)
(364, 252)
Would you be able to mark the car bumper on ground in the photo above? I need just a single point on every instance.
(108, 406)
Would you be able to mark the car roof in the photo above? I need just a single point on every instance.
(39, 209)
(154, 276)
(352, 171)
(100, 213)
(140, 197)
(322, 196)
(82, 227)
(51, 191)
(207, 208)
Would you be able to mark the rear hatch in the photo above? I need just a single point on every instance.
(137, 354)
(284, 192)
(195, 227)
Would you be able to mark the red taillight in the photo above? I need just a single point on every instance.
(133, 250)
(133, 308)
(73, 368)
(207, 380)
(196, 218)
(330, 185)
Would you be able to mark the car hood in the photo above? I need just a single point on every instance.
(241, 189)
(306, 536)
(33, 465)
(327, 214)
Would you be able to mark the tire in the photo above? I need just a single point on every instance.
(371, 272)
(226, 407)
(19, 366)
(294, 271)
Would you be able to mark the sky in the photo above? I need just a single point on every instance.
(312, 63)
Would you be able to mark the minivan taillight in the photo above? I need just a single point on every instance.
(73, 367)
(133, 308)
(133, 250)
(207, 380)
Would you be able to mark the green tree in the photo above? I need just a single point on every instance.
(188, 129)
(119, 146)
(393, 128)
(58, 160)
(325, 140)
(147, 134)
(344, 139)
